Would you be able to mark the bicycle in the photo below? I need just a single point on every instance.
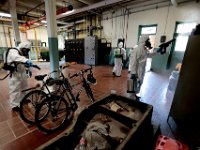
(60, 109)
(30, 101)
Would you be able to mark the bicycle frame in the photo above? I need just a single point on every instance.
(61, 106)
(83, 81)
(44, 84)
(68, 88)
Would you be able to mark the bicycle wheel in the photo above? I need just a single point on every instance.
(89, 92)
(28, 105)
(58, 114)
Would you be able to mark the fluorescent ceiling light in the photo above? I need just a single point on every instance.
(36, 24)
(70, 24)
(68, 12)
(5, 14)
(44, 21)
(61, 22)
(80, 21)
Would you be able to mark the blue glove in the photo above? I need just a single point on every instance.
(28, 63)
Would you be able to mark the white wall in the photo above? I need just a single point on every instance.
(61, 42)
(112, 28)
(40, 33)
(7, 39)
(3, 40)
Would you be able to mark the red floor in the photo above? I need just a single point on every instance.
(16, 134)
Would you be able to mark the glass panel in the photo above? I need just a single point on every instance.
(185, 27)
(181, 43)
(148, 30)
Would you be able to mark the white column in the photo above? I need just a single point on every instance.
(12, 5)
(50, 7)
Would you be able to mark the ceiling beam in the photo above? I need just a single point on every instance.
(75, 3)
(27, 5)
(104, 3)
(34, 8)
(85, 2)
(9, 20)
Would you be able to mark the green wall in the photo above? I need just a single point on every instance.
(159, 62)
(2, 50)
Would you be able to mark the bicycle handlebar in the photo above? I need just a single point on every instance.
(81, 72)
(33, 65)
(36, 66)
(17, 63)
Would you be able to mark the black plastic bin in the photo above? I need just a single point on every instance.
(137, 129)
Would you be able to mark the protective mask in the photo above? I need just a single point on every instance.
(25, 52)
(148, 44)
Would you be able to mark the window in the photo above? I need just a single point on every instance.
(185, 27)
(148, 30)
(181, 43)
(182, 33)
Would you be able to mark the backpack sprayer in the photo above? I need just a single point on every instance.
(13, 69)
(163, 46)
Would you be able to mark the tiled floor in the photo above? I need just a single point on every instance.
(16, 134)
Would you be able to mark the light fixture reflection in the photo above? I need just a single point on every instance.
(5, 15)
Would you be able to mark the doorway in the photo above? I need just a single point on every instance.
(151, 31)
(181, 34)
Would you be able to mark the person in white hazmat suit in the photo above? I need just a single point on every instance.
(18, 80)
(119, 56)
(130, 60)
(138, 58)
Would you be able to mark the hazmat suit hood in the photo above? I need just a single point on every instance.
(25, 44)
(24, 47)
(143, 39)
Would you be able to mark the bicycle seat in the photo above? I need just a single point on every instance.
(40, 77)
(52, 81)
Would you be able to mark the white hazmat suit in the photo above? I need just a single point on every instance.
(138, 58)
(130, 60)
(119, 56)
(18, 80)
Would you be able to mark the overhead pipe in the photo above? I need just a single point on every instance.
(35, 27)
(58, 12)
(59, 22)
(85, 2)
(28, 7)
(33, 8)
